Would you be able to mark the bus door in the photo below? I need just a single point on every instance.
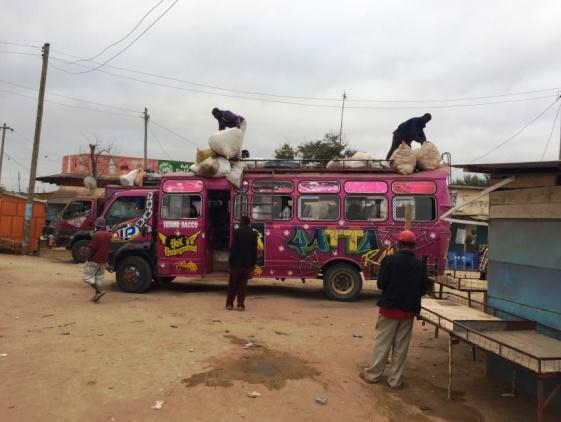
(180, 239)
(217, 230)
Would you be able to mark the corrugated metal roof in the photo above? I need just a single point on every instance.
(508, 169)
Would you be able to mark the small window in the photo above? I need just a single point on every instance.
(272, 186)
(77, 209)
(423, 208)
(366, 208)
(125, 208)
(181, 206)
(318, 208)
(240, 206)
(271, 207)
(319, 186)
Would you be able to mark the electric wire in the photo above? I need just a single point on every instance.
(174, 133)
(122, 39)
(551, 133)
(132, 42)
(515, 134)
(10, 158)
(160, 144)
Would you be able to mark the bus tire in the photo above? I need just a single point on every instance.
(342, 282)
(134, 275)
(81, 250)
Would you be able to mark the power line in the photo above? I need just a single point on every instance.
(122, 39)
(160, 144)
(71, 98)
(133, 41)
(174, 133)
(551, 133)
(10, 158)
(517, 132)
(20, 53)
(18, 44)
(68, 105)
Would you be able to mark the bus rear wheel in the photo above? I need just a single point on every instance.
(134, 275)
(342, 282)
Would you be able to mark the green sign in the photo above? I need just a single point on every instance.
(169, 166)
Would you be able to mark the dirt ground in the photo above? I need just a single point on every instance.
(72, 360)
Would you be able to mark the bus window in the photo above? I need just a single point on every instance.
(272, 186)
(181, 206)
(271, 207)
(366, 208)
(318, 207)
(240, 206)
(77, 209)
(125, 208)
(423, 208)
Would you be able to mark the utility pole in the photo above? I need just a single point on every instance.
(19, 182)
(4, 128)
(341, 127)
(146, 117)
(35, 153)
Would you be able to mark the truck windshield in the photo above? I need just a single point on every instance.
(125, 208)
(77, 209)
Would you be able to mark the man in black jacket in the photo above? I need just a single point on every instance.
(403, 281)
(227, 119)
(409, 131)
(243, 256)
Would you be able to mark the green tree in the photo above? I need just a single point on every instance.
(285, 152)
(473, 180)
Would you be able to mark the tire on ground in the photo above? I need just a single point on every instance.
(134, 274)
(81, 250)
(342, 282)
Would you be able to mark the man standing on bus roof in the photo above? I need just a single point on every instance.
(243, 257)
(409, 131)
(403, 281)
(227, 119)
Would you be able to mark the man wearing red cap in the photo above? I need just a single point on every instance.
(403, 281)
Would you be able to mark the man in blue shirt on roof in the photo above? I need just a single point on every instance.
(409, 131)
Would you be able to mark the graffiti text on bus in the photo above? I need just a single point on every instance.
(357, 241)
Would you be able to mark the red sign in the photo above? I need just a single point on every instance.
(423, 187)
(181, 186)
(107, 165)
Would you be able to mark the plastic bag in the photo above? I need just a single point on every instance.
(403, 159)
(223, 168)
(364, 162)
(227, 143)
(236, 175)
(208, 167)
(428, 157)
(128, 179)
(203, 154)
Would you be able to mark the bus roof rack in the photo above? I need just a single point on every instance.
(344, 165)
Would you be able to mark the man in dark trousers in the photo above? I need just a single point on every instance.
(227, 119)
(403, 281)
(100, 248)
(409, 131)
(243, 256)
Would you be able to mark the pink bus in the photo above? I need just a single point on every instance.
(335, 225)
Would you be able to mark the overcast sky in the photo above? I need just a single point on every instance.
(373, 50)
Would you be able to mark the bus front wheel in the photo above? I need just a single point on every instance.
(342, 282)
(81, 251)
(134, 275)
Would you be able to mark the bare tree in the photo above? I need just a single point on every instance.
(96, 150)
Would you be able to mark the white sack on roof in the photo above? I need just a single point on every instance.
(224, 167)
(403, 159)
(428, 157)
(128, 179)
(236, 175)
(362, 160)
(228, 142)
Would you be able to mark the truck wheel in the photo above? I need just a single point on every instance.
(81, 250)
(342, 282)
(134, 275)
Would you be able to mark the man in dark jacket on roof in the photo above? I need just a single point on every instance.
(227, 119)
(409, 131)
(243, 257)
(403, 280)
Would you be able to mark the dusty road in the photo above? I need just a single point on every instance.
(71, 360)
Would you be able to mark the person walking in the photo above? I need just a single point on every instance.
(227, 119)
(243, 256)
(403, 280)
(100, 248)
(409, 131)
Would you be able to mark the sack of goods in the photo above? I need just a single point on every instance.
(403, 159)
(208, 167)
(428, 157)
(236, 175)
(227, 143)
(139, 177)
(128, 179)
(362, 160)
(335, 164)
(224, 167)
(203, 154)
